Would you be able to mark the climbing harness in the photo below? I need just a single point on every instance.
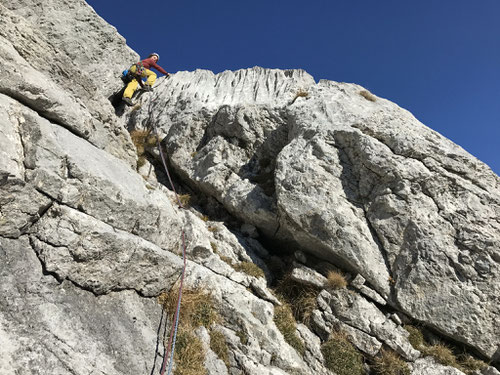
(139, 69)
(168, 356)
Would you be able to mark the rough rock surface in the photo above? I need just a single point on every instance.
(51, 51)
(357, 312)
(312, 170)
(428, 366)
(358, 183)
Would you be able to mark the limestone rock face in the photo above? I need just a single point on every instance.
(359, 183)
(54, 57)
(428, 366)
(300, 171)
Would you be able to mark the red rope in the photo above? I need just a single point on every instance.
(173, 329)
(169, 350)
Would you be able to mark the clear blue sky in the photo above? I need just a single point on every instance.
(440, 59)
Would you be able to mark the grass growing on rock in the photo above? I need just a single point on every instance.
(368, 95)
(390, 363)
(416, 337)
(341, 356)
(189, 354)
(197, 309)
(284, 320)
(218, 345)
(301, 298)
(249, 268)
(243, 337)
(142, 139)
(301, 93)
(469, 364)
(185, 199)
(442, 353)
(336, 280)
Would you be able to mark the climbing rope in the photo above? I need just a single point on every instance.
(168, 355)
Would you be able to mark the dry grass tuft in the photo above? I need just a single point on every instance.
(185, 199)
(340, 356)
(301, 93)
(249, 268)
(197, 307)
(469, 364)
(442, 354)
(142, 139)
(368, 95)
(284, 320)
(141, 161)
(189, 354)
(219, 346)
(390, 363)
(227, 260)
(336, 280)
(416, 337)
(301, 298)
(243, 337)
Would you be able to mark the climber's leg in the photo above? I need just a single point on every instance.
(131, 87)
(151, 77)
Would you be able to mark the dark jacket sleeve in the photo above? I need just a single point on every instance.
(159, 68)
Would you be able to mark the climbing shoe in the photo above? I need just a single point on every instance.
(148, 88)
(128, 101)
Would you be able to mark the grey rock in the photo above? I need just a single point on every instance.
(100, 258)
(313, 356)
(396, 319)
(357, 312)
(362, 185)
(75, 173)
(358, 281)
(20, 206)
(307, 276)
(213, 364)
(319, 325)
(52, 327)
(361, 340)
(300, 256)
(56, 75)
(428, 366)
(325, 323)
(260, 288)
(249, 230)
(490, 371)
(373, 295)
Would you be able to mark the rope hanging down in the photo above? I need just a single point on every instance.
(170, 349)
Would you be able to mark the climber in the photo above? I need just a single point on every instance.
(139, 71)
